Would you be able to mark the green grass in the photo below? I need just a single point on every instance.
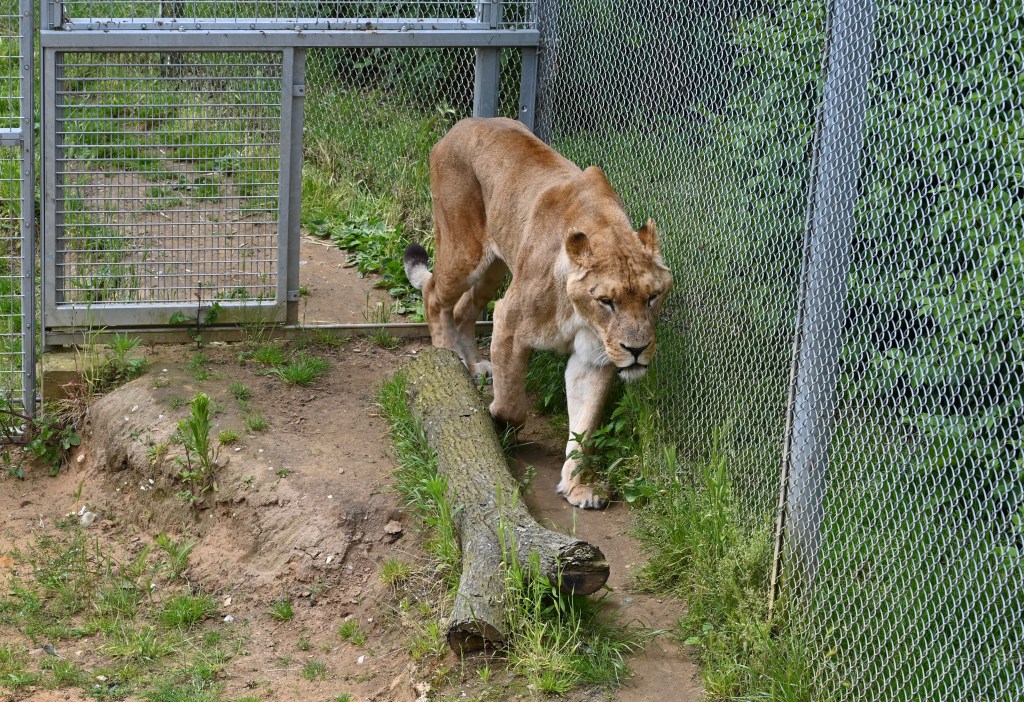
(349, 631)
(139, 623)
(314, 670)
(394, 572)
(255, 423)
(227, 436)
(240, 391)
(301, 370)
(282, 611)
(185, 611)
(268, 354)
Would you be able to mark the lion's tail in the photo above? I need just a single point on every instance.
(417, 265)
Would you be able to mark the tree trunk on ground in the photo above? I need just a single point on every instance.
(459, 429)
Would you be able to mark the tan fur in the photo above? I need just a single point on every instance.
(503, 200)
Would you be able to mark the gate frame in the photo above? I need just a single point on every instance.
(64, 325)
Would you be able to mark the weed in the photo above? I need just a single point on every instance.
(176, 402)
(119, 366)
(199, 367)
(267, 355)
(202, 319)
(145, 644)
(282, 610)
(199, 463)
(314, 670)
(239, 390)
(156, 452)
(343, 697)
(303, 370)
(484, 673)
(227, 437)
(185, 611)
(379, 314)
(254, 422)
(177, 552)
(349, 631)
(395, 572)
(303, 644)
(283, 473)
(50, 440)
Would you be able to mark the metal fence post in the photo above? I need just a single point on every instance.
(28, 206)
(528, 87)
(488, 64)
(824, 282)
(290, 197)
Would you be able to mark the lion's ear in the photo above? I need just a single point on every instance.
(649, 237)
(577, 245)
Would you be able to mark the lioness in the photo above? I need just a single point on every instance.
(583, 281)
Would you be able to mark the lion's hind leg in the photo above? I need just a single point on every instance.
(472, 304)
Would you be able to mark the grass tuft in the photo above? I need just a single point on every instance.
(282, 611)
(185, 611)
(303, 370)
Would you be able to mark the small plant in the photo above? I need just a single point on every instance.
(156, 452)
(203, 318)
(50, 440)
(199, 367)
(282, 610)
(394, 572)
(239, 390)
(177, 552)
(255, 423)
(484, 673)
(379, 314)
(119, 366)
(176, 402)
(344, 697)
(199, 463)
(227, 437)
(283, 473)
(267, 355)
(301, 371)
(314, 670)
(185, 611)
(303, 644)
(349, 631)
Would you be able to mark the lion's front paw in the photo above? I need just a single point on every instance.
(576, 492)
(482, 372)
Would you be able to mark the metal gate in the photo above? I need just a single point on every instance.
(17, 209)
(172, 147)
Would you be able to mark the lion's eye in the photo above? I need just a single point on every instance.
(607, 302)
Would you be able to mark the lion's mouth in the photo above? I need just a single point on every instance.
(633, 372)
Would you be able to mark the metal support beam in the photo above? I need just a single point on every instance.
(528, 87)
(28, 206)
(488, 64)
(290, 208)
(824, 281)
(229, 40)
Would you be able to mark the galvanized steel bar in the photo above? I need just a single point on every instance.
(28, 206)
(528, 86)
(824, 286)
(290, 189)
(224, 40)
(488, 64)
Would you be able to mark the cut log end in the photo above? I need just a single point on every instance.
(473, 636)
(582, 570)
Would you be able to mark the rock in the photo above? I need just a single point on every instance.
(393, 528)
(80, 459)
(359, 661)
(228, 619)
(87, 519)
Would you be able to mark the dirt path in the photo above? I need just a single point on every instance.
(305, 511)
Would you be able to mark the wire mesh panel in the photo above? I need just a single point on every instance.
(167, 174)
(667, 100)
(517, 14)
(839, 190)
(372, 116)
(16, 187)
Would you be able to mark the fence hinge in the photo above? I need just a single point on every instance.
(293, 296)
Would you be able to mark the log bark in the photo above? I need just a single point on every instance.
(461, 433)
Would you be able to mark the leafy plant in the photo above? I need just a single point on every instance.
(254, 422)
(119, 365)
(177, 552)
(349, 631)
(282, 610)
(239, 390)
(314, 670)
(202, 319)
(50, 441)
(199, 462)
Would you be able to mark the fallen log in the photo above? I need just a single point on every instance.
(460, 431)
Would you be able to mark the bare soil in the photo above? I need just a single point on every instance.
(306, 510)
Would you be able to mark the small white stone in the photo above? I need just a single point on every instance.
(151, 482)
(228, 619)
(330, 497)
(359, 661)
(88, 518)
(329, 559)
(135, 408)
(227, 601)
(101, 678)
(261, 451)
(164, 370)
(81, 458)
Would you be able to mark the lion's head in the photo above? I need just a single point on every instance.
(617, 282)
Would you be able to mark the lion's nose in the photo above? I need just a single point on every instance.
(635, 350)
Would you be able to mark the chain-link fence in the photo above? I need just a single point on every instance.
(840, 184)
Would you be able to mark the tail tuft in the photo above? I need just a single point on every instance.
(417, 265)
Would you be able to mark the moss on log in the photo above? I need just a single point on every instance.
(459, 429)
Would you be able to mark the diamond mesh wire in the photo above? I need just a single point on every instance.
(372, 116)
(12, 356)
(516, 15)
(168, 169)
(872, 212)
